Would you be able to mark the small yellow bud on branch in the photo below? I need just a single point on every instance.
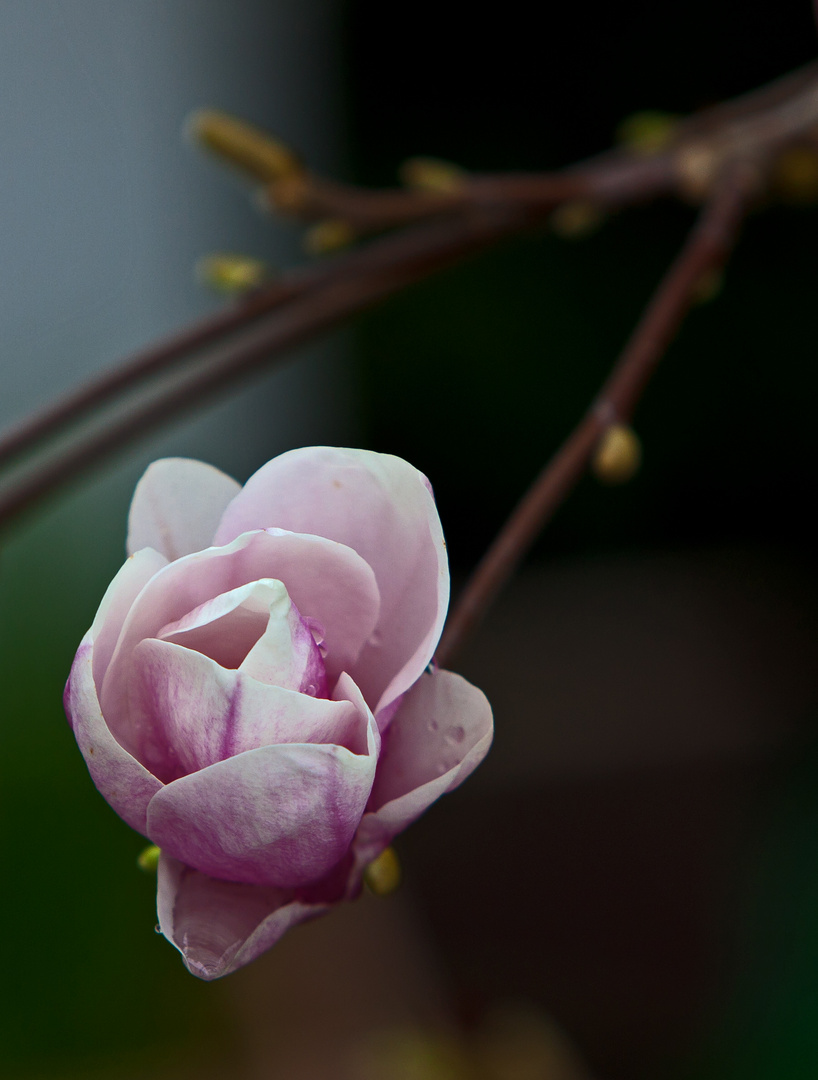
(576, 219)
(324, 237)
(382, 875)
(148, 859)
(244, 146)
(231, 273)
(709, 286)
(618, 455)
(647, 133)
(432, 174)
(795, 175)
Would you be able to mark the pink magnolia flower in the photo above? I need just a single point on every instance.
(255, 694)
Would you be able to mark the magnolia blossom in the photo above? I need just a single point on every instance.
(256, 694)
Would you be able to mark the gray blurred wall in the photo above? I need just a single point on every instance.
(105, 208)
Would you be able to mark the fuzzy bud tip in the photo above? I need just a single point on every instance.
(327, 236)
(647, 133)
(244, 146)
(618, 455)
(231, 274)
(382, 875)
(432, 174)
(148, 859)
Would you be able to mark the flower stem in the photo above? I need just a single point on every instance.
(708, 246)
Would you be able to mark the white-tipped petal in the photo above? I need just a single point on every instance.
(177, 505)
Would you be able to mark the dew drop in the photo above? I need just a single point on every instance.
(433, 725)
(456, 734)
(311, 689)
(157, 929)
(441, 768)
(375, 638)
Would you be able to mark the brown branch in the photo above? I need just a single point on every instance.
(530, 198)
(707, 248)
(134, 370)
(165, 356)
(483, 212)
(393, 264)
(758, 122)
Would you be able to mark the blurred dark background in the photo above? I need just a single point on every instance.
(638, 858)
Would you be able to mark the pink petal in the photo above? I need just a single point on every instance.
(177, 506)
(187, 713)
(280, 815)
(119, 778)
(219, 926)
(117, 602)
(326, 581)
(381, 507)
(440, 734)
(256, 628)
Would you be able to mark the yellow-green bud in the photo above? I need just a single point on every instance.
(708, 286)
(230, 273)
(148, 859)
(432, 174)
(244, 146)
(382, 875)
(647, 133)
(618, 455)
(576, 219)
(795, 176)
(334, 234)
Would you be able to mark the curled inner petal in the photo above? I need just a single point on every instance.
(187, 712)
(258, 629)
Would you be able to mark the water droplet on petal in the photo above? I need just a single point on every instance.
(441, 768)
(157, 929)
(456, 734)
(311, 689)
(433, 725)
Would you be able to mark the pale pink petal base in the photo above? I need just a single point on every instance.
(440, 734)
(219, 926)
(177, 506)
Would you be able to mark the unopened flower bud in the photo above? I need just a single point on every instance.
(647, 133)
(618, 455)
(708, 286)
(697, 167)
(244, 146)
(148, 859)
(576, 219)
(795, 176)
(432, 174)
(382, 875)
(230, 273)
(334, 234)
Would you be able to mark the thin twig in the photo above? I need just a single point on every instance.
(397, 262)
(135, 370)
(379, 256)
(754, 125)
(758, 122)
(707, 248)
